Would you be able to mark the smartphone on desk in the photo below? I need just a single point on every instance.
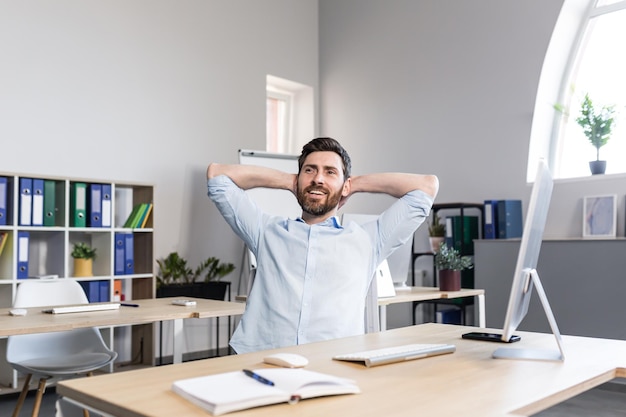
(489, 337)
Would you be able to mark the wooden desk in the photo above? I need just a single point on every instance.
(429, 294)
(149, 311)
(466, 383)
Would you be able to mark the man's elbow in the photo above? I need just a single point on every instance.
(431, 185)
(213, 170)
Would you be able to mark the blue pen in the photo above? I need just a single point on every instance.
(129, 305)
(258, 377)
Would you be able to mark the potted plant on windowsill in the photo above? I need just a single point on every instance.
(597, 125)
(175, 278)
(83, 255)
(436, 233)
(450, 263)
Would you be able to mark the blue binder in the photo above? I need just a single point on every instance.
(26, 201)
(38, 212)
(491, 220)
(22, 254)
(92, 290)
(106, 205)
(95, 205)
(119, 257)
(129, 264)
(103, 287)
(4, 193)
(510, 224)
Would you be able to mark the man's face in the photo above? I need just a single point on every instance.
(321, 183)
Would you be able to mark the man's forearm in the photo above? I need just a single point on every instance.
(252, 176)
(395, 184)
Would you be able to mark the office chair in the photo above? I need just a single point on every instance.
(54, 354)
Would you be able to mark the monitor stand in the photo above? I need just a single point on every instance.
(536, 354)
(401, 286)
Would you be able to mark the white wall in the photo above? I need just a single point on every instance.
(149, 91)
(445, 87)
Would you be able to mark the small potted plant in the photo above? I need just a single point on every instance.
(436, 233)
(83, 255)
(450, 263)
(597, 125)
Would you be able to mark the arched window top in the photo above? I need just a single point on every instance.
(583, 58)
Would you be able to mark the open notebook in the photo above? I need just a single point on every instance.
(232, 391)
(81, 308)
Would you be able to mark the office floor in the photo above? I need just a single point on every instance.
(608, 400)
(48, 406)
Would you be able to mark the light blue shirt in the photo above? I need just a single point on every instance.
(311, 280)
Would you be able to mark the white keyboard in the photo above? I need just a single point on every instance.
(81, 308)
(394, 354)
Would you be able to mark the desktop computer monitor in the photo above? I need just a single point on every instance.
(525, 277)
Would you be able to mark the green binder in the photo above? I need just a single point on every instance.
(78, 204)
(49, 203)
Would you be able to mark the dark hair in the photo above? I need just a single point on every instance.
(326, 145)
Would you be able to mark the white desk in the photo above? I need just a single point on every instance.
(466, 383)
(149, 311)
(429, 294)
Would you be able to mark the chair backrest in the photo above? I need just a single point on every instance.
(38, 293)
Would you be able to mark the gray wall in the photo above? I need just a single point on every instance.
(150, 91)
(445, 87)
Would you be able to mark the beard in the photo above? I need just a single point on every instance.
(318, 207)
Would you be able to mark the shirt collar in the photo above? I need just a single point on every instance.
(329, 222)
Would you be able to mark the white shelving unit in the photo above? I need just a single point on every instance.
(49, 253)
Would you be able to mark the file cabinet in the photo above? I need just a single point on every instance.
(41, 218)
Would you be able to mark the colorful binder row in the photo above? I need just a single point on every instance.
(138, 218)
(37, 202)
(124, 258)
(503, 219)
(90, 205)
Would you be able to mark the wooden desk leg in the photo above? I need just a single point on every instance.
(382, 314)
(178, 341)
(481, 311)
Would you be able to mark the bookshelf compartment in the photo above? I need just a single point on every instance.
(46, 253)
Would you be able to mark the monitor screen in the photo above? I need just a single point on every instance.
(529, 250)
(525, 277)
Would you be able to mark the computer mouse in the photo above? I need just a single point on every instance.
(18, 311)
(286, 360)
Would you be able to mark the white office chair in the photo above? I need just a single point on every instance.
(55, 354)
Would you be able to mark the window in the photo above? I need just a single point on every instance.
(289, 115)
(584, 57)
(279, 105)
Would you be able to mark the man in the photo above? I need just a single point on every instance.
(313, 273)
